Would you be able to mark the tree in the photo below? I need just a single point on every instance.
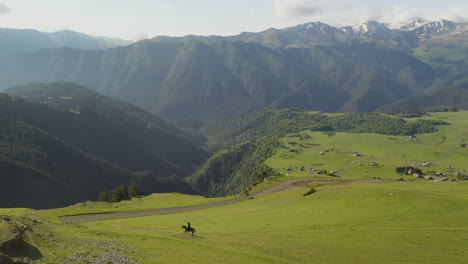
(119, 194)
(105, 197)
(134, 190)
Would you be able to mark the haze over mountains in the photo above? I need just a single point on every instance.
(19, 41)
(196, 82)
(68, 144)
(313, 66)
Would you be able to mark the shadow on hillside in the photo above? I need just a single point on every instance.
(20, 249)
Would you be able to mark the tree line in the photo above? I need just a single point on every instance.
(121, 193)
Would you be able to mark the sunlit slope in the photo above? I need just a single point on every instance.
(417, 222)
(441, 148)
(361, 222)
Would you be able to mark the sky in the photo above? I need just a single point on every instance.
(138, 19)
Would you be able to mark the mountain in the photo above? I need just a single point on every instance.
(82, 151)
(21, 41)
(452, 97)
(74, 97)
(192, 81)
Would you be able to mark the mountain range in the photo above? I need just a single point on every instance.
(57, 134)
(20, 41)
(62, 143)
(313, 66)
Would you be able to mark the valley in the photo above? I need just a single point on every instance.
(308, 144)
(367, 214)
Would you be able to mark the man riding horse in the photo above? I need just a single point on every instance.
(188, 228)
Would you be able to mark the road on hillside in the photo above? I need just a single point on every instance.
(277, 188)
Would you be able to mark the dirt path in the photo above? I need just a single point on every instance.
(277, 188)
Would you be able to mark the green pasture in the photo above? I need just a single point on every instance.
(360, 222)
(153, 201)
(442, 149)
(398, 222)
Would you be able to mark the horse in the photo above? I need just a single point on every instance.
(188, 229)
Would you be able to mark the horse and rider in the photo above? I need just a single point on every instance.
(188, 228)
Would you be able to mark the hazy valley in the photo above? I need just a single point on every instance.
(282, 146)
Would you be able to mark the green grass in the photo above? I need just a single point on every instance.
(6, 232)
(362, 222)
(386, 222)
(153, 201)
(412, 222)
(440, 148)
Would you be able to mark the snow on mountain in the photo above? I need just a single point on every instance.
(369, 29)
(435, 28)
(411, 25)
(316, 27)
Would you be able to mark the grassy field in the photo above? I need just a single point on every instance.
(153, 201)
(442, 149)
(397, 222)
(416, 221)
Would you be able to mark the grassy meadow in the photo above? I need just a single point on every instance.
(412, 221)
(442, 149)
(386, 222)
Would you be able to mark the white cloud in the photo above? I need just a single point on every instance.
(291, 9)
(455, 13)
(345, 13)
(4, 9)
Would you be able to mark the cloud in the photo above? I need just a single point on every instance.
(455, 13)
(4, 9)
(345, 13)
(291, 9)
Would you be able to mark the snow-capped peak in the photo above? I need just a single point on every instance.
(436, 28)
(408, 26)
(316, 27)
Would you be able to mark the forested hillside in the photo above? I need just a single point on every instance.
(83, 152)
(74, 97)
(231, 93)
(245, 143)
(454, 97)
(193, 81)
